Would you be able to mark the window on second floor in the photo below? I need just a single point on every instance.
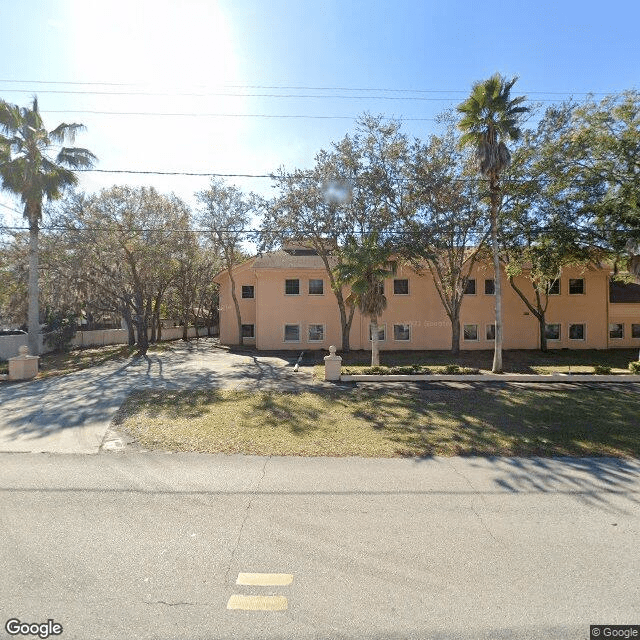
(292, 287)
(554, 288)
(401, 287)
(470, 289)
(576, 285)
(248, 291)
(489, 286)
(316, 287)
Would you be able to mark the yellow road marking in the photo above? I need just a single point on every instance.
(264, 579)
(257, 603)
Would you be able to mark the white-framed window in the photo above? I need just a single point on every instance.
(292, 287)
(635, 330)
(292, 333)
(470, 289)
(402, 332)
(490, 332)
(616, 331)
(576, 286)
(316, 332)
(577, 331)
(316, 287)
(489, 287)
(554, 288)
(248, 330)
(552, 331)
(248, 291)
(382, 333)
(401, 287)
(470, 332)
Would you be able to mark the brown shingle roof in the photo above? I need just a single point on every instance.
(284, 260)
(624, 292)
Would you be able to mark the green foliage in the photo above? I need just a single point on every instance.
(60, 329)
(601, 370)
(634, 367)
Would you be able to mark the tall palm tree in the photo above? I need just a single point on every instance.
(364, 267)
(28, 171)
(489, 117)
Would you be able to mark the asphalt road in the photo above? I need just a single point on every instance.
(150, 545)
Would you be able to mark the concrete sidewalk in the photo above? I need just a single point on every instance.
(71, 414)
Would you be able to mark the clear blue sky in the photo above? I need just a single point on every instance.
(367, 49)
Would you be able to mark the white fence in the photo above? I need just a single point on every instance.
(9, 345)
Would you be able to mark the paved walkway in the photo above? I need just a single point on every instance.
(71, 414)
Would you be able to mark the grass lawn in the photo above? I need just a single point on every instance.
(474, 420)
(513, 361)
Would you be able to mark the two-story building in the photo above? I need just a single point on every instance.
(286, 302)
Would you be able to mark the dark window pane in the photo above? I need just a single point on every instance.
(316, 287)
(616, 331)
(552, 331)
(489, 286)
(247, 291)
(401, 287)
(635, 330)
(291, 333)
(576, 285)
(316, 333)
(382, 334)
(470, 289)
(248, 331)
(470, 331)
(576, 332)
(491, 332)
(554, 288)
(292, 287)
(401, 332)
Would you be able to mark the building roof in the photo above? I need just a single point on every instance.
(619, 292)
(290, 260)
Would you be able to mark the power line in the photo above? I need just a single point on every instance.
(298, 87)
(224, 115)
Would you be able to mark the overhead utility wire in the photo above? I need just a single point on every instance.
(244, 95)
(301, 88)
(224, 115)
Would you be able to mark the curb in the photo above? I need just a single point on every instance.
(510, 377)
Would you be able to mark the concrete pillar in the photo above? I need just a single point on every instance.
(332, 365)
(24, 366)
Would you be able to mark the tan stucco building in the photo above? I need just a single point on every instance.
(286, 302)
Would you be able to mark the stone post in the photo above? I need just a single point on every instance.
(24, 366)
(332, 365)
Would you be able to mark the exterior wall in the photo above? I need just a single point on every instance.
(627, 314)
(421, 309)
(275, 309)
(243, 275)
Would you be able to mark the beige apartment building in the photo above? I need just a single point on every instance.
(286, 302)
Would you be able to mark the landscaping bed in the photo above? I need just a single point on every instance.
(475, 420)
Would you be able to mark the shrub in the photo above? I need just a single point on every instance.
(451, 369)
(377, 370)
(601, 369)
(634, 367)
(60, 330)
(469, 371)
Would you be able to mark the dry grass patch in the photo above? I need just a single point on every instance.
(475, 420)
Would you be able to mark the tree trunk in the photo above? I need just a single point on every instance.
(34, 309)
(375, 350)
(543, 334)
(237, 306)
(126, 314)
(345, 323)
(455, 334)
(497, 353)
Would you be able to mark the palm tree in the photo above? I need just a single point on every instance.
(490, 116)
(364, 267)
(27, 170)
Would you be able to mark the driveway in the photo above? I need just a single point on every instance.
(72, 413)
